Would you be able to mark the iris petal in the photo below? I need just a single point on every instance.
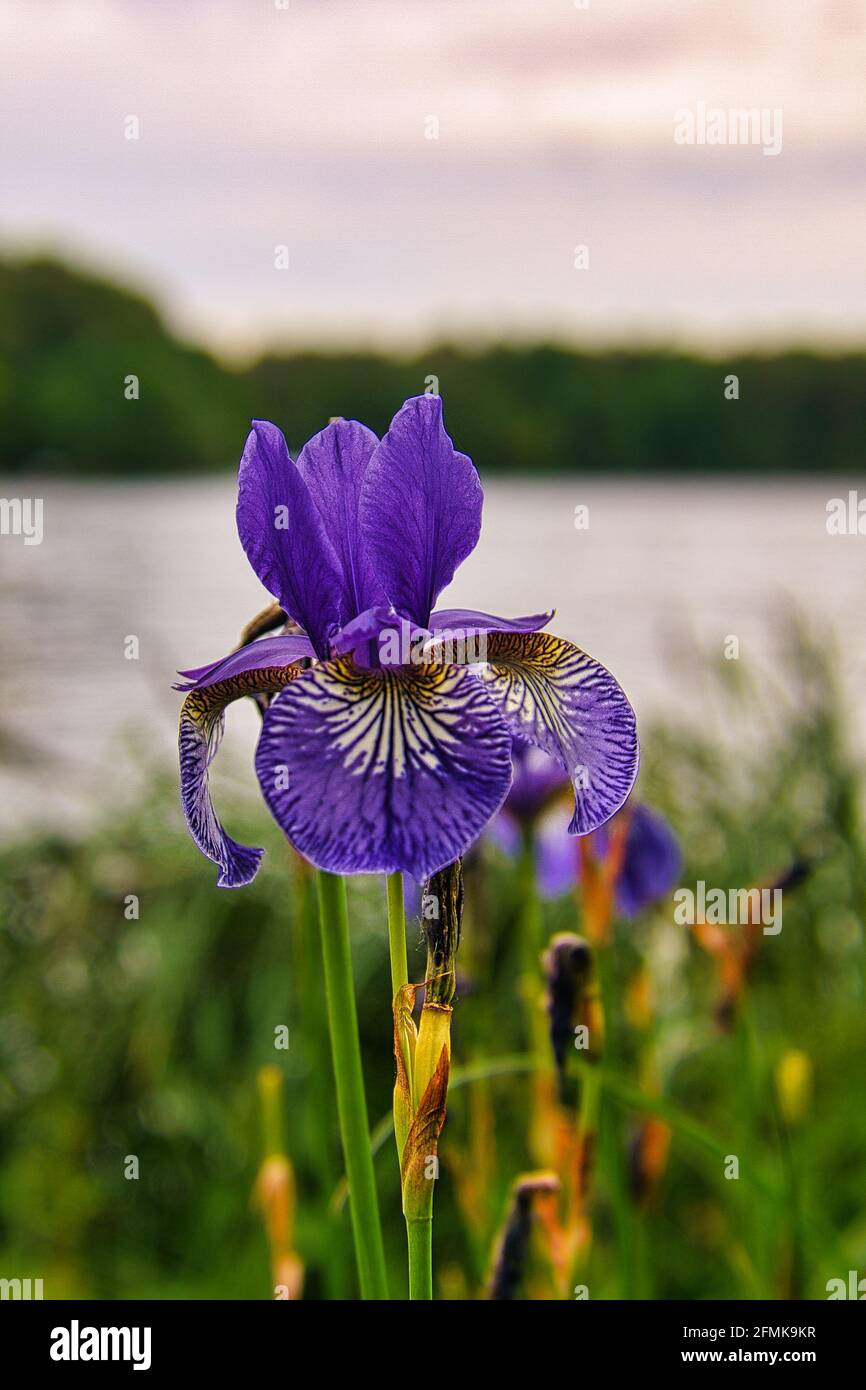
(651, 859)
(553, 695)
(202, 718)
(458, 636)
(270, 651)
(651, 863)
(356, 635)
(371, 771)
(333, 464)
(284, 537)
(469, 619)
(420, 508)
(538, 781)
(557, 858)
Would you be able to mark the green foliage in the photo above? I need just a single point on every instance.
(67, 344)
(143, 1036)
(69, 340)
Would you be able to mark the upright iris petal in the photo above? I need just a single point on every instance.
(284, 536)
(553, 695)
(333, 464)
(420, 508)
(378, 770)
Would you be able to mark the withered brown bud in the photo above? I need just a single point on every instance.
(441, 918)
(512, 1249)
(568, 970)
(423, 1069)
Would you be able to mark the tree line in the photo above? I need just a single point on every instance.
(92, 381)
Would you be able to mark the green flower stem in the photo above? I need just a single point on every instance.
(589, 1112)
(351, 1101)
(397, 932)
(270, 1082)
(530, 941)
(420, 1235)
(419, 1271)
(611, 1144)
(337, 1273)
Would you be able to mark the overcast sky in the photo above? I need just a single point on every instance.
(306, 126)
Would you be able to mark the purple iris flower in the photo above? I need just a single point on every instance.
(537, 782)
(650, 864)
(387, 745)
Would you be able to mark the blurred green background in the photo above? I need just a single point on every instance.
(144, 1037)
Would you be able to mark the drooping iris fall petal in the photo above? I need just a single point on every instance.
(420, 508)
(553, 695)
(378, 770)
(284, 536)
(202, 718)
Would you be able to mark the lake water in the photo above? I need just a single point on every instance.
(661, 567)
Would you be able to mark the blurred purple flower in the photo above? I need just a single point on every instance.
(391, 748)
(538, 781)
(651, 858)
(649, 867)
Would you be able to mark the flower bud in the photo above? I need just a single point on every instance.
(573, 1004)
(794, 1085)
(423, 1055)
(512, 1248)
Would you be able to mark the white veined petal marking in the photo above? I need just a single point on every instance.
(545, 684)
(389, 769)
(386, 721)
(556, 696)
